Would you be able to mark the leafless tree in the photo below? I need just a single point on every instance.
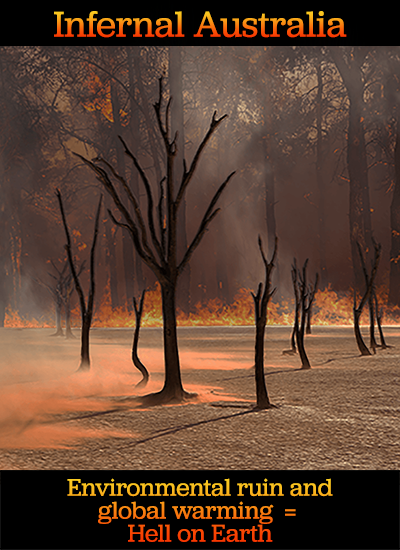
(86, 308)
(158, 247)
(304, 296)
(379, 314)
(369, 286)
(261, 299)
(309, 312)
(135, 358)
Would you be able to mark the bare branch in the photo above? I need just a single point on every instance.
(130, 195)
(70, 259)
(92, 251)
(150, 201)
(161, 216)
(143, 249)
(187, 176)
(207, 218)
(169, 145)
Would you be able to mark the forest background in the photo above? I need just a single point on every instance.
(312, 134)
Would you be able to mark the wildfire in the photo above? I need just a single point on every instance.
(14, 320)
(329, 308)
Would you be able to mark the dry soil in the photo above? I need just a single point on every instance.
(343, 413)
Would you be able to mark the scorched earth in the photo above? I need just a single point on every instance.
(343, 413)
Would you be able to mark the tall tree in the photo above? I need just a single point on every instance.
(392, 90)
(86, 307)
(349, 62)
(304, 296)
(369, 289)
(158, 248)
(175, 74)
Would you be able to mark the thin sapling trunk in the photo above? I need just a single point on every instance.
(135, 358)
(261, 299)
(86, 309)
(304, 295)
(155, 232)
(379, 315)
(369, 285)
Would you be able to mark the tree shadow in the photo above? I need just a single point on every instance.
(169, 431)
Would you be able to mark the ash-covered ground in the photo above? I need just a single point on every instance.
(344, 413)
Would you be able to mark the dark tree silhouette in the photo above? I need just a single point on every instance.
(135, 358)
(309, 312)
(261, 300)
(61, 290)
(159, 251)
(56, 290)
(304, 296)
(86, 309)
(369, 288)
(379, 315)
(349, 62)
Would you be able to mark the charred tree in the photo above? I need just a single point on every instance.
(135, 358)
(369, 285)
(177, 128)
(371, 305)
(309, 310)
(304, 296)
(293, 348)
(86, 308)
(156, 241)
(261, 300)
(379, 315)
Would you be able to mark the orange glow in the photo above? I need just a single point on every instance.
(101, 97)
(59, 436)
(38, 412)
(14, 320)
(330, 308)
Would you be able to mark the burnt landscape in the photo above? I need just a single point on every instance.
(239, 209)
(343, 413)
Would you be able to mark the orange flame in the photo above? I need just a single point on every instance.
(329, 308)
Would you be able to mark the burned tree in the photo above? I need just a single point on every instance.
(309, 312)
(304, 296)
(158, 248)
(379, 315)
(135, 358)
(369, 289)
(86, 309)
(261, 300)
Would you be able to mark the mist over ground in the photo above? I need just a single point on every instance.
(286, 136)
(340, 414)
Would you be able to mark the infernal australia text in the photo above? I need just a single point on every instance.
(164, 27)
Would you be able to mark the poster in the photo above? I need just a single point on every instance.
(81, 461)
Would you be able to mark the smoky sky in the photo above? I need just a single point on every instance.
(60, 100)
